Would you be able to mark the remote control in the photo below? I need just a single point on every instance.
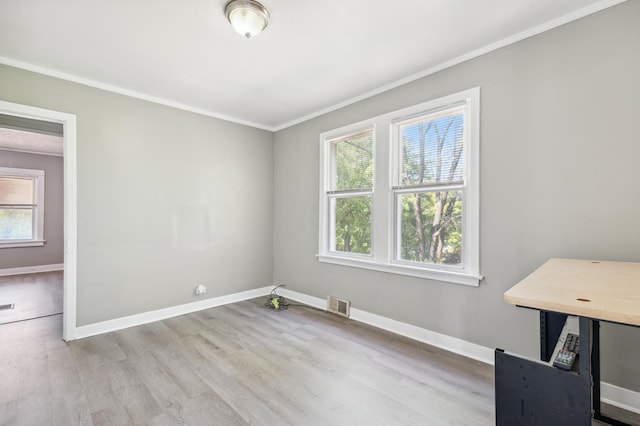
(564, 360)
(572, 343)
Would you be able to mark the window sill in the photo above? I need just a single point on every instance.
(472, 280)
(17, 244)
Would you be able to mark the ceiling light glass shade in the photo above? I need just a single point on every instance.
(247, 17)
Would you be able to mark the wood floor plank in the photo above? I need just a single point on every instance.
(112, 415)
(215, 370)
(138, 403)
(209, 408)
(163, 389)
(9, 412)
(70, 409)
(34, 409)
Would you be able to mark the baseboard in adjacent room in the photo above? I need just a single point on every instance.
(31, 269)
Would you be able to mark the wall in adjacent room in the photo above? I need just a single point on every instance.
(52, 253)
(559, 178)
(167, 199)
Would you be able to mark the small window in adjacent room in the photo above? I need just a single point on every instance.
(21, 207)
(400, 192)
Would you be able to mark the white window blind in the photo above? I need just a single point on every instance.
(432, 148)
(352, 162)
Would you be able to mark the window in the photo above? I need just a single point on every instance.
(349, 192)
(21, 207)
(400, 192)
(429, 186)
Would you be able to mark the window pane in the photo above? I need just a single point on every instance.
(432, 149)
(352, 160)
(15, 190)
(352, 224)
(431, 227)
(16, 224)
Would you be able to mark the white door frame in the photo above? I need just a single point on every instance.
(68, 122)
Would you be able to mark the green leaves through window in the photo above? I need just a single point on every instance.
(350, 191)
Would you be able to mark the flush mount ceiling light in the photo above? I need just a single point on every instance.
(247, 17)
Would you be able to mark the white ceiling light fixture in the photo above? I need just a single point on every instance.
(247, 17)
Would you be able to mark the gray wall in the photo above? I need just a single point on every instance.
(167, 199)
(52, 252)
(559, 178)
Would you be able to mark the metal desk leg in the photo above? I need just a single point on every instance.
(586, 347)
(595, 367)
(593, 327)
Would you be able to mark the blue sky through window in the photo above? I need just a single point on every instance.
(440, 140)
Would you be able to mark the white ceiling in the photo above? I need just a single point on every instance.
(313, 57)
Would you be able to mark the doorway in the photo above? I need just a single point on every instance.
(68, 122)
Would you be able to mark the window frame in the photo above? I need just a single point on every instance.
(385, 223)
(327, 193)
(37, 237)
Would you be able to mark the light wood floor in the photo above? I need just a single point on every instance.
(234, 365)
(34, 295)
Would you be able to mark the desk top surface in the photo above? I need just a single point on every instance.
(608, 291)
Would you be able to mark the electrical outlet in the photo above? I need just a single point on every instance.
(200, 289)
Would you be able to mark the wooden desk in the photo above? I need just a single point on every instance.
(607, 291)
(593, 291)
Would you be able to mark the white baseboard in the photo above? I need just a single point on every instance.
(31, 269)
(451, 344)
(160, 314)
(620, 397)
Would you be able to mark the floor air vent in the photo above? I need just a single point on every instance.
(338, 306)
(6, 306)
